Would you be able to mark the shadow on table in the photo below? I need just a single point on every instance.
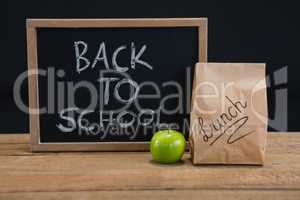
(188, 162)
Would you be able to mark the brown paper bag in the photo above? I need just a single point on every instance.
(228, 122)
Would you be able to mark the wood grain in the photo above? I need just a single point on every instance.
(19, 138)
(158, 194)
(91, 175)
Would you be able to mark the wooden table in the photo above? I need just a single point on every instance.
(100, 175)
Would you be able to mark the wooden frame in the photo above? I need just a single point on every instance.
(33, 24)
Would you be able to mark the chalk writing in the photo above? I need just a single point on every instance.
(83, 63)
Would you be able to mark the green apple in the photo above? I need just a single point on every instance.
(167, 146)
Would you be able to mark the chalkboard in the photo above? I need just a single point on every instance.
(109, 84)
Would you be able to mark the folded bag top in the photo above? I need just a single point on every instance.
(228, 122)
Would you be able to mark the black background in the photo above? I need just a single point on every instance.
(239, 31)
(172, 52)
